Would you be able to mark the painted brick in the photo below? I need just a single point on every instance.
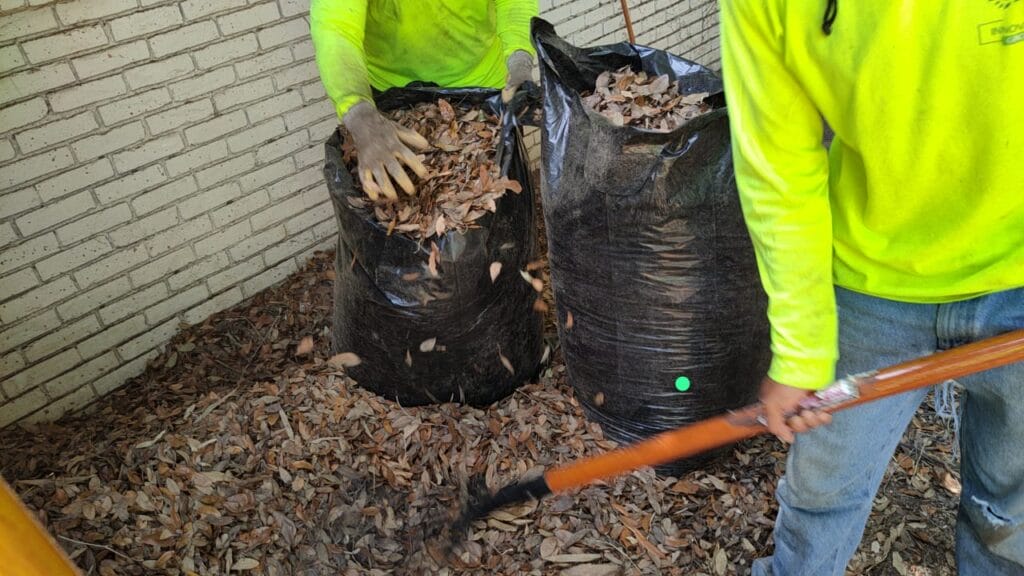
(303, 50)
(60, 45)
(226, 237)
(314, 93)
(27, 23)
(183, 38)
(299, 242)
(67, 336)
(148, 341)
(141, 23)
(311, 114)
(142, 228)
(179, 235)
(28, 329)
(119, 377)
(296, 75)
(281, 147)
(90, 300)
(11, 363)
(273, 107)
(20, 407)
(267, 279)
(112, 336)
(112, 59)
(149, 152)
(264, 62)
(266, 174)
(286, 209)
(293, 7)
(197, 271)
(81, 375)
(110, 266)
(76, 179)
(130, 185)
(239, 208)
(81, 10)
(283, 32)
(6, 150)
(10, 58)
(14, 284)
(164, 266)
(289, 186)
(134, 106)
(83, 94)
(71, 258)
(154, 199)
(136, 302)
(34, 81)
(310, 156)
(94, 223)
(215, 128)
(13, 257)
(225, 170)
(195, 9)
(322, 130)
(197, 158)
(203, 84)
(36, 299)
(219, 302)
(256, 135)
(235, 274)
(54, 410)
(217, 54)
(177, 303)
(159, 72)
(247, 19)
(33, 167)
(27, 112)
(256, 243)
(7, 234)
(110, 141)
(244, 93)
(179, 116)
(209, 199)
(54, 213)
(55, 132)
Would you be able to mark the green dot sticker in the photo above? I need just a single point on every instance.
(682, 383)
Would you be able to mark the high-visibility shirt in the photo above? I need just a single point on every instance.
(921, 195)
(388, 43)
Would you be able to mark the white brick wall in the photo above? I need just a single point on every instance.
(160, 161)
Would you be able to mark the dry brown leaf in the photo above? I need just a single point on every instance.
(305, 346)
(245, 564)
(628, 98)
(951, 484)
(495, 271)
(506, 363)
(568, 320)
(428, 345)
(345, 360)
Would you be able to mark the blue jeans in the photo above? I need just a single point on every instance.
(833, 472)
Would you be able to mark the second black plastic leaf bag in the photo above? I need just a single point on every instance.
(423, 339)
(661, 312)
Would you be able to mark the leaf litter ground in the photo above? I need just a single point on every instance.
(242, 451)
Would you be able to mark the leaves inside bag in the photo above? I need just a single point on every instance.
(629, 98)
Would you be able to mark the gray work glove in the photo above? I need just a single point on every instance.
(520, 69)
(381, 147)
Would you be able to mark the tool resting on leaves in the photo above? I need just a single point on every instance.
(746, 423)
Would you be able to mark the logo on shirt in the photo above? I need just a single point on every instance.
(1001, 32)
(1003, 3)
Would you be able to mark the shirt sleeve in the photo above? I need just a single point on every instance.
(782, 175)
(513, 24)
(337, 28)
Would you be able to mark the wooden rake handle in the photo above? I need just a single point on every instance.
(747, 422)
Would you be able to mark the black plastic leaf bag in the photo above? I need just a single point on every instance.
(648, 250)
(424, 339)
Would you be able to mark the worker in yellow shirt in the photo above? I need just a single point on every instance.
(387, 43)
(905, 236)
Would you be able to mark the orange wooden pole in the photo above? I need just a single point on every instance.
(26, 549)
(629, 22)
(734, 426)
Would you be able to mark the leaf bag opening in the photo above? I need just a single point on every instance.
(661, 312)
(424, 317)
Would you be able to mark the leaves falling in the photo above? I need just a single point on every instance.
(629, 98)
(463, 181)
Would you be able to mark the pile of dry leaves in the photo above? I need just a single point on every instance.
(629, 98)
(463, 180)
(242, 451)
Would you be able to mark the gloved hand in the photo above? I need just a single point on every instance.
(520, 69)
(381, 146)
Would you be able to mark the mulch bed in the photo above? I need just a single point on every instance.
(240, 452)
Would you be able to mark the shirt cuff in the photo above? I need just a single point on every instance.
(805, 373)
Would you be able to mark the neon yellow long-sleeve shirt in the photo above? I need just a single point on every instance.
(921, 195)
(388, 43)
